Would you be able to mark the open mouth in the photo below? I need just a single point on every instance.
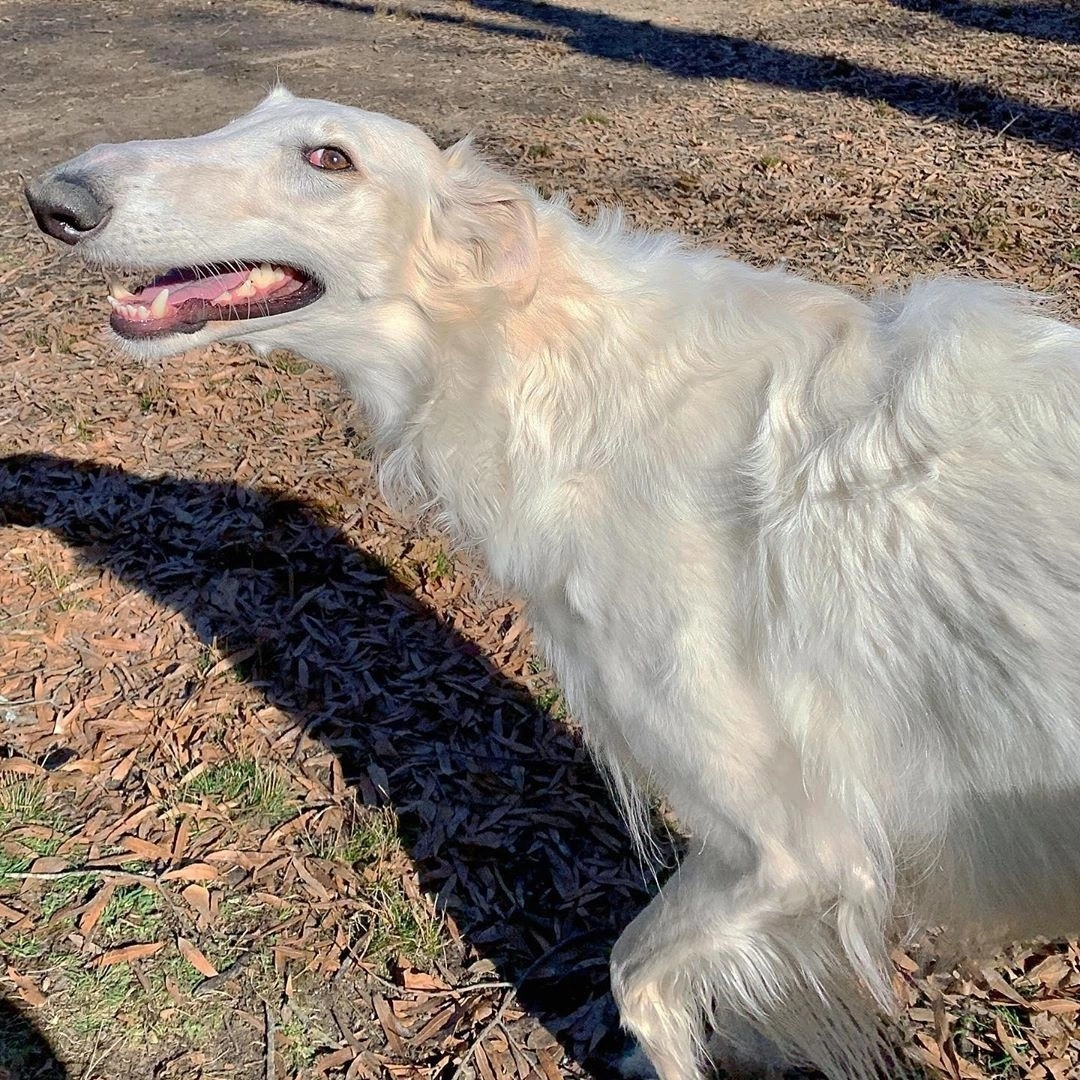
(186, 299)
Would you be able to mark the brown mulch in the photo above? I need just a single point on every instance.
(284, 791)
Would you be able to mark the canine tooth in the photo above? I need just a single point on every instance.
(161, 301)
(120, 293)
(114, 303)
(261, 276)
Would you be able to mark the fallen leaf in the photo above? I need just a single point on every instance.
(198, 896)
(28, 989)
(197, 871)
(195, 957)
(127, 953)
(1058, 1006)
(421, 980)
(49, 864)
(94, 910)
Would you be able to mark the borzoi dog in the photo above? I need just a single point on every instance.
(805, 564)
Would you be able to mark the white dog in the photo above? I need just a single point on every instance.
(807, 565)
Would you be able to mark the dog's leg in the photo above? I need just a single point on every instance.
(738, 955)
(660, 980)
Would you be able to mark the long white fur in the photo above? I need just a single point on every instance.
(807, 564)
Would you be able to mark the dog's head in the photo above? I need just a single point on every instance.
(302, 221)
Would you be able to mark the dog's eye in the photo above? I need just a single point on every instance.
(330, 158)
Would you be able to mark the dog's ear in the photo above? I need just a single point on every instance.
(493, 218)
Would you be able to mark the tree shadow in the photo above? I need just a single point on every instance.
(1039, 21)
(696, 54)
(24, 1052)
(507, 821)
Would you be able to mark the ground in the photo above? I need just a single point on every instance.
(284, 791)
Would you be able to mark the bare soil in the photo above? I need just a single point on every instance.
(284, 791)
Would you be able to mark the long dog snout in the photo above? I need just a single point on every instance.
(65, 207)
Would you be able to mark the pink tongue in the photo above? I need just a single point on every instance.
(208, 288)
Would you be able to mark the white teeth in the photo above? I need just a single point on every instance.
(261, 276)
(266, 275)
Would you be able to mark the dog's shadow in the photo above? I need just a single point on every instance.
(507, 821)
(24, 1052)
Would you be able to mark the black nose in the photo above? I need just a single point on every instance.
(65, 207)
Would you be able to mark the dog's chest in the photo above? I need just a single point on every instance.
(629, 595)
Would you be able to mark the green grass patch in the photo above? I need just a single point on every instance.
(49, 578)
(441, 564)
(368, 838)
(304, 1038)
(551, 700)
(12, 863)
(46, 576)
(246, 787)
(287, 364)
(204, 661)
(64, 892)
(23, 947)
(157, 1003)
(977, 1039)
(30, 825)
(92, 997)
(397, 925)
(133, 915)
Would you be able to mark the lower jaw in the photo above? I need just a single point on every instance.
(148, 332)
(151, 330)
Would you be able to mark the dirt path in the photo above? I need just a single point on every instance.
(335, 848)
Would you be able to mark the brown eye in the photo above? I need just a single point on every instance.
(330, 158)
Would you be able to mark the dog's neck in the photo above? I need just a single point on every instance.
(508, 407)
(511, 409)
(473, 443)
